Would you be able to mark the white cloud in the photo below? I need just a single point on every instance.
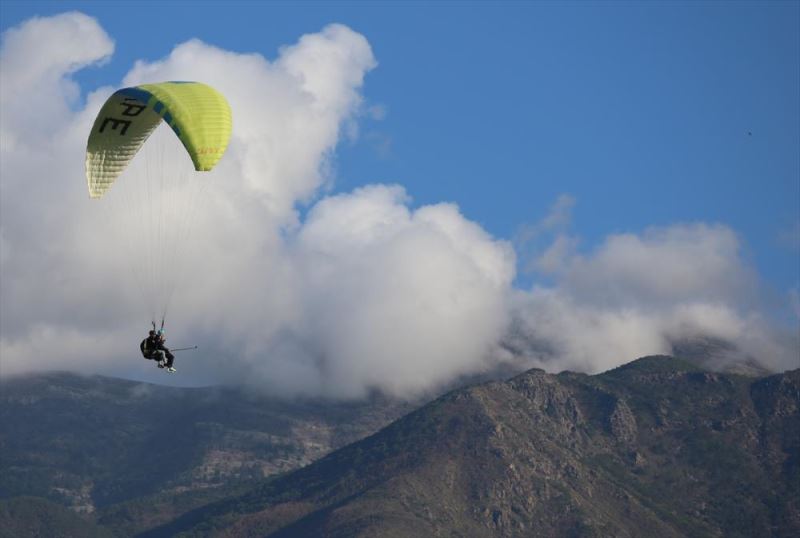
(365, 292)
(559, 332)
(287, 114)
(63, 270)
(546, 245)
(670, 265)
(554, 257)
(35, 59)
(638, 294)
(400, 300)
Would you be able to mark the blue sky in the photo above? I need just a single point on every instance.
(640, 111)
(634, 129)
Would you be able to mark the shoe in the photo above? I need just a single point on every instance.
(171, 369)
(160, 364)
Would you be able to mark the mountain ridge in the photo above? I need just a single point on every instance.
(618, 453)
(115, 448)
(659, 445)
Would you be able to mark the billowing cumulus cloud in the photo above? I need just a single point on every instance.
(35, 60)
(363, 292)
(63, 272)
(287, 113)
(391, 298)
(664, 265)
(640, 294)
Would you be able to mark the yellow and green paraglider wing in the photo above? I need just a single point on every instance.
(198, 114)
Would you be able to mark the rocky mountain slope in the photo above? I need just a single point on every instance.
(658, 447)
(134, 455)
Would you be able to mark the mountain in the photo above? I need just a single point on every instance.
(658, 447)
(34, 516)
(133, 455)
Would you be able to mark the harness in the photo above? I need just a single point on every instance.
(147, 352)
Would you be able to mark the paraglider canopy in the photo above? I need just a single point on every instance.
(198, 114)
(151, 212)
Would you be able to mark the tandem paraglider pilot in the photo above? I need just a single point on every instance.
(200, 117)
(153, 348)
